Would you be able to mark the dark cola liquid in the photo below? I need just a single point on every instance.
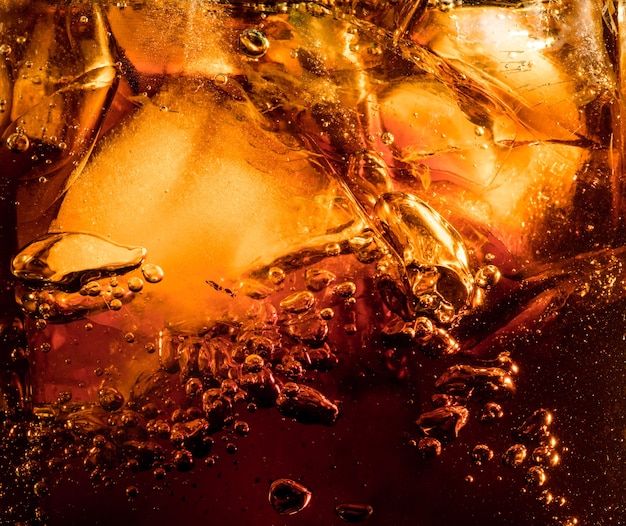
(311, 264)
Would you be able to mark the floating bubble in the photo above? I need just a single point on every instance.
(110, 399)
(220, 79)
(152, 273)
(491, 412)
(481, 453)
(276, 275)
(354, 513)
(429, 448)
(514, 456)
(298, 302)
(536, 476)
(253, 43)
(306, 405)
(135, 284)
(387, 138)
(318, 279)
(17, 142)
(347, 289)
(443, 423)
(534, 427)
(288, 497)
(487, 276)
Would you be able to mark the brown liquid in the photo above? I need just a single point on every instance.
(312, 271)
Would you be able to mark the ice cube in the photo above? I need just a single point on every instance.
(545, 64)
(195, 179)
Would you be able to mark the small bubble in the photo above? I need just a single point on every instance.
(17, 142)
(41, 324)
(327, 313)
(183, 460)
(241, 428)
(276, 275)
(545, 456)
(318, 279)
(481, 454)
(21, 40)
(118, 292)
(333, 249)
(487, 276)
(135, 284)
(491, 412)
(298, 302)
(387, 138)
(115, 304)
(129, 337)
(83, 19)
(150, 348)
(479, 131)
(347, 289)
(45, 347)
(152, 273)
(469, 479)
(220, 80)
(536, 477)
(253, 43)
(429, 448)
(5, 50)
(132, 492)
(354, 513)
(193, 387)
(110, 399)
(288, 497)
(514, 456)
(41, 488)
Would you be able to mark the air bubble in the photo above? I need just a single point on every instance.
(327, 313)
(220, 80)
(276, 275)
(135, 284)
(487, 276)
(110, 399)
(17, 142)
(354, 513)
(5, 50)
(288, 497)
(253, 43)
(333, 249)
(318, 279)
(152, 273)
(298, 302)
(514, 456)
(346, 289)
(536, 477)
(387, 138)
(429, 448)
(481, 454)
(491, 412)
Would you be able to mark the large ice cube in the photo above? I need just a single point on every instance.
(194, 178)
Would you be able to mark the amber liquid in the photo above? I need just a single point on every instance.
(300, 264)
